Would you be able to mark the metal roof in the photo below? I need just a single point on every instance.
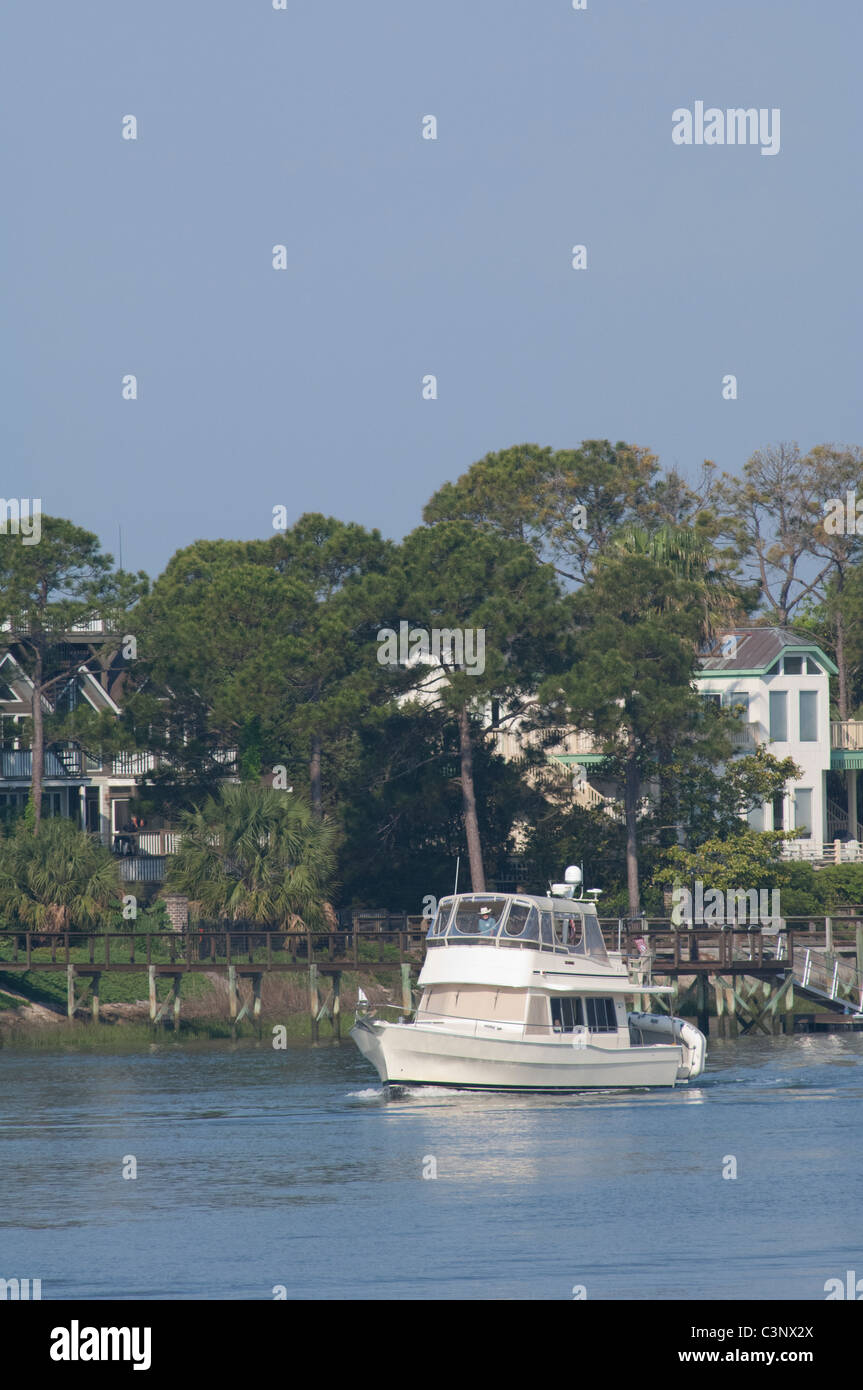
(753, 650)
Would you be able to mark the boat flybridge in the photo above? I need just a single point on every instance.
(520, 994)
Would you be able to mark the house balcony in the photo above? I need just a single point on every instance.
(16, 764)
(820, 853)
(157, 842)
(84, 631)
(571, 745)
(133, 764)
(846, 745)
(748, 737)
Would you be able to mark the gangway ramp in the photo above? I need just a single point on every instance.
(828, 979)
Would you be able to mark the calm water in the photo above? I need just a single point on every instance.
(259, 1168)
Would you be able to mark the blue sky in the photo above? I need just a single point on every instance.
(408, 256)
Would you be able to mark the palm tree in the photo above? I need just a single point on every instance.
(693, 558)
(252, 854)
(57, 880)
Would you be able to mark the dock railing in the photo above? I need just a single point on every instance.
(208, 948)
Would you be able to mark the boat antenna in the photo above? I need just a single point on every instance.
(457, 862)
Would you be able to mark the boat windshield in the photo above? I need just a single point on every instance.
(439, 921)
(478, 919)
(521, 925)
(478, 916)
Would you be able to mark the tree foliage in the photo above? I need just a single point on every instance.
(60, 880)
(252, 854)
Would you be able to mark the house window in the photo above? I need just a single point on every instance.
(808, 716)
(779, 812)
(803, 811)
(794, 665)
(812, 667)
(601, 1015)
(566, 1014)
(738, 702)
(712, 699)
(778, 716)
(495, 713)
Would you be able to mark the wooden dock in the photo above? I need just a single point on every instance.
(746, 980)
(238, 956)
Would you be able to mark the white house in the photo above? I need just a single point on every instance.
(779, 682)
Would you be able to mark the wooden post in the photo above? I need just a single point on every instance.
(151, 972)
(732, 1024)
(95, 1005)
(407, 1001)
(70, 991)
(702, 1003)
(828, 935)
(256, 996)
(719, 993)
(789, 1009)
(314, 999)
(858, 937)
(337, 1004)
(232, 993)
(177, 980)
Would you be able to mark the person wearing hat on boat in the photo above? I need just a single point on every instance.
(487, 925)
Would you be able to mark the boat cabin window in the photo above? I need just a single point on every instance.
(479, 916)
(566, 1014)
(601, 1015)
(546, 929)
(441, 918)
(578, 932)
(522, 924)
(568, 929)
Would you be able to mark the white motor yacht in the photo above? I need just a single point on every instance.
(520, 994)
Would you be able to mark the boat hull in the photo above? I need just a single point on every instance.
(411, 1055)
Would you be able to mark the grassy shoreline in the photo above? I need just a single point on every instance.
(33, 1013)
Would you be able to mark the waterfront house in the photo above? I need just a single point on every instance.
(778, 682)
(86, 785)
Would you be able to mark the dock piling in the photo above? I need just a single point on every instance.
(314, 1000)
(407, 1000)
(337, 1004)
(257, 982)
(232, 994)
